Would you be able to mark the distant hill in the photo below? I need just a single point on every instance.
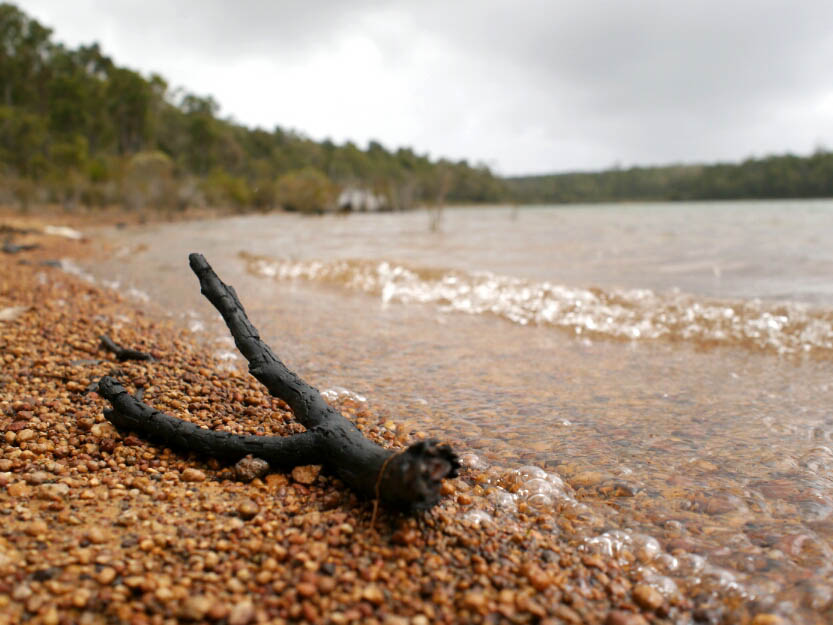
(771, 177)
(78, 129)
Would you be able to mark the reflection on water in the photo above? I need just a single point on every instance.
(705, 458)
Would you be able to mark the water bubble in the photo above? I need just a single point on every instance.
(69, 266)
(818, 596)
(666, 562)
(556, 481)
(540, 501)
(138, 295)
(690, 564)
(646, 548)
(721, 578)
(535, 486)
(503, 500)
(666, 586)
(227, 359)
(814, 511)
(572, 509)
(477, 517)
(530, 471)
(817, 460)
(336, 393)
(612, 544)
(473, 461)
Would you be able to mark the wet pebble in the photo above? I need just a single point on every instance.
(193, 475)
(373, 594)
(620, 617)
(18, 489)
(106, 576)
(247, 509)
(768, 619)
(54, 492)
(306, 474)
(242, 613)
(647, 597)
(249, 468)
(195, 608)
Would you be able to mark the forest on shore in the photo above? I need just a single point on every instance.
(786, 176)
(76, 129)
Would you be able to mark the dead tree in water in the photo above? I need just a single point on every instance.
(409, 479)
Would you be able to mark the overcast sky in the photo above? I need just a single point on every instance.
(523, 86)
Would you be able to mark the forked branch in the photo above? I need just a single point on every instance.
(409, 479)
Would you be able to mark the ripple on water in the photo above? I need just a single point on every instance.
(673, 572)
(632, 314)
(339, 393)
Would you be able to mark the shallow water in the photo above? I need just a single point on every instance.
(667, 365)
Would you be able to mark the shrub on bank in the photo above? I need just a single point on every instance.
(306, 190)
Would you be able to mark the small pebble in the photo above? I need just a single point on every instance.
(620, 617)
(218, 611)
(51, 616)
(247, 509)
(37, 477)
(54, 492)
(164, 594)
(647, 597)
(36, 528)
(306, 589)
(306, 474)
(18, 489)
(249, 468)
(194, 608)
(373, 594)
(768, 619)
(475, 599)
(586, 479)
(242, 613)
(25, 435)
(106, 575)
(80, 597)
(193, 475)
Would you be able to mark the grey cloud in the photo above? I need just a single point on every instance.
(541, 83)
(216, 28)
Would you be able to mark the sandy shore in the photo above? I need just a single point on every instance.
(102, 528)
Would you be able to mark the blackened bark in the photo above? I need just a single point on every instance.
(128, 413)
(410, 479)
(123, 353)
(13, 248)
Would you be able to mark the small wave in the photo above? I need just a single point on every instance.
(630, 314)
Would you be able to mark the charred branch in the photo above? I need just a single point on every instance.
(123, 353)
(409, 479)
(13, 248)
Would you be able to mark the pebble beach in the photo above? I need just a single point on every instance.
(100, 526)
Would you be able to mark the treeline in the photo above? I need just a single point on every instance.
(75, 128)
(771, 177)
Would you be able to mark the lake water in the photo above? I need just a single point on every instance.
(662, 371)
